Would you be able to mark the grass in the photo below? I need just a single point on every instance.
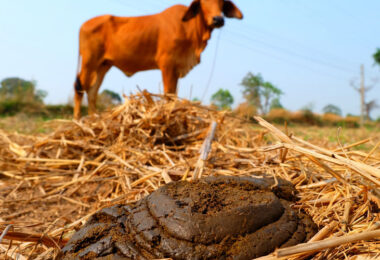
(24, 124)
(334, 137)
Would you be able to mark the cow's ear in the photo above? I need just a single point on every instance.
(231, 11)
(192, 11)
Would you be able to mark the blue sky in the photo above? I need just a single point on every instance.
(309, 49)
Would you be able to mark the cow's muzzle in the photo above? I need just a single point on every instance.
(218, 21)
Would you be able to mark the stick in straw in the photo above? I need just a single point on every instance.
(205, 150)
(327, 243)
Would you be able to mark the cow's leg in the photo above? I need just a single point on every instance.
(170, 79)
(86, 79)
(92, 92)
(83, 82)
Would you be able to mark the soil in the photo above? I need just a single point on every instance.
(212, 218)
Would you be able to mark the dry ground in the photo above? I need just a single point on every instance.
(50, 184)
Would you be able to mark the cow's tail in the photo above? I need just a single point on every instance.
(78, 85)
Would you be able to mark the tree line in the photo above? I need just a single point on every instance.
(18, 95)
(261, 97)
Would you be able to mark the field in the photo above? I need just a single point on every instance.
(55, 174)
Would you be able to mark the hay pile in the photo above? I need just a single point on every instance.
(50, 185)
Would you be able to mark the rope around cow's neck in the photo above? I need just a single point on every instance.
(212, 66)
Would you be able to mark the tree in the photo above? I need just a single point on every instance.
(365, 107)
(308, 107)
(114, 97)
(376, 56)
(276, 104)
(269, 92)
(20, 90)
(260, 93)
(19, 95)
(108, 98)
(222, 99)
(369, 107)
(251, 91)
(332, 109)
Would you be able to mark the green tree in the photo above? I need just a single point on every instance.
(114, 97)
(108, 98)
(222, 99)
(269, 92)
(376, 56)
(251, 92)
(276, 104)
(332, 109)
(19, 95)
(308, 107)
(260, 93)
(20, 90)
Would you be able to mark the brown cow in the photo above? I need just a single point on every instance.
(171, 41)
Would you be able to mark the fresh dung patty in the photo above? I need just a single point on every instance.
(211, 218)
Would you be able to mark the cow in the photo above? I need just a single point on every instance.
(171, 41)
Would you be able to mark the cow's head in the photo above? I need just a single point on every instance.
(213, 11)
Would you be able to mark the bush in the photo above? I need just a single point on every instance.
(12, 107)
(310, 118)
(59, 110)
(245, 110)
(333, 120)
(302, 117)
(278, 116)
(63, 111)
(305, 117)
(351, 121)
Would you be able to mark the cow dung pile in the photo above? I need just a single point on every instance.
(211, 218)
